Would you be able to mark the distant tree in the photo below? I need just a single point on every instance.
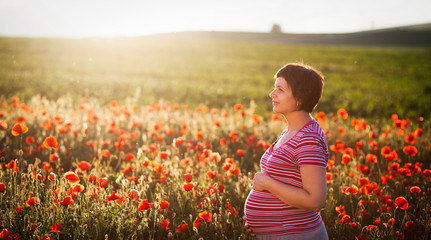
(276, 29)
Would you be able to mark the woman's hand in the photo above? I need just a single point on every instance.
(260, 181)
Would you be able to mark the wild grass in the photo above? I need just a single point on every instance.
(369, 81)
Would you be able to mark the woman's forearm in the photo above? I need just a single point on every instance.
(295, 196)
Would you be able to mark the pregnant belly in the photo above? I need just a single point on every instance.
(264, 211)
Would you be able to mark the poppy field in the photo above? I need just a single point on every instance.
(169, 171)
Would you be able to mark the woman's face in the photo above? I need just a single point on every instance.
(282, 98)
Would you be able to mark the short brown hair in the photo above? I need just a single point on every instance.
(306, 84)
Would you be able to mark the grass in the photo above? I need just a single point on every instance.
(369, 81)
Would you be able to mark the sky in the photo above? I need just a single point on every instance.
(110, 18)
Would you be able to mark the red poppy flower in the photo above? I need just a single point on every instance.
(188, 187)
(237, 107)
(19, 129)
(341, 130)
(415, 189)
(340, 210)
(56, 191)
(3, 125)
(133, 194)
(92, 178)
(12, 165)
(410, 150)
(198, 221)
(113, 197)
(46, 166)
(199, 135)
(410, 225)
(410, 138)
(223, 141)
(399, 235)
(164, 224)
(18, 209)
(371, 158)
(53, 157)
(427, 173)
(206, 216)
(404, 172)
(391, 156)
(418, 132)
(5, 234)
(240, 152)
(345, 159)
(345, 219)
(211, 190)
(230, 209)
(144, 204)
(50, 142)
(372, 228)
(350, 190)
(178, 141)
(226, 166)
(29, 140)
(363, 181)
(129, 157)
(233, 136)
(164, 155)
(66, 201)
(163, 204)
(2, 188)
(211, 174)
(320, 116)
(234, 171)
(71, 177)
(342, 113)
(106, 154)
(221, 187)
(56, 227)
(385, 150)
(181, 228)
(401, 202)
(188, 177)
(372, 135)
(31, 202)
(83, 165)
(78, 188)
(103, 182)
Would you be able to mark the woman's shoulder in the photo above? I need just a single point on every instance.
(312, 131)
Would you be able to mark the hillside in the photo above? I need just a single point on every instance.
(412, 36)
(216, 69)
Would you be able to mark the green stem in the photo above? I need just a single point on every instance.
(404, 219)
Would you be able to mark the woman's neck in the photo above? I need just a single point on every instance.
(296, 120)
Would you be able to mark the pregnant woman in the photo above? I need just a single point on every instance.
(290, 190)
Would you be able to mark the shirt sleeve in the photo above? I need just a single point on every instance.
(312, 151)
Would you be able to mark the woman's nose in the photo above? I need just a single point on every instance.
(271, 94)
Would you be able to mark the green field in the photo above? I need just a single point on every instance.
(369, 81)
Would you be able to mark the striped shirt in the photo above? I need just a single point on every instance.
(264, 212)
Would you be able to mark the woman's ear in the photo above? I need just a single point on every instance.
(298, 104)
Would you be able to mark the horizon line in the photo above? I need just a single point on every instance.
(427, 25)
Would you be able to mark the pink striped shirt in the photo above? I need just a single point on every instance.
(264, 212)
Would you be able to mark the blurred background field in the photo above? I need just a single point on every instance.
(193, 69)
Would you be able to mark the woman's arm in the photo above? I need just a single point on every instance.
(312, 196)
